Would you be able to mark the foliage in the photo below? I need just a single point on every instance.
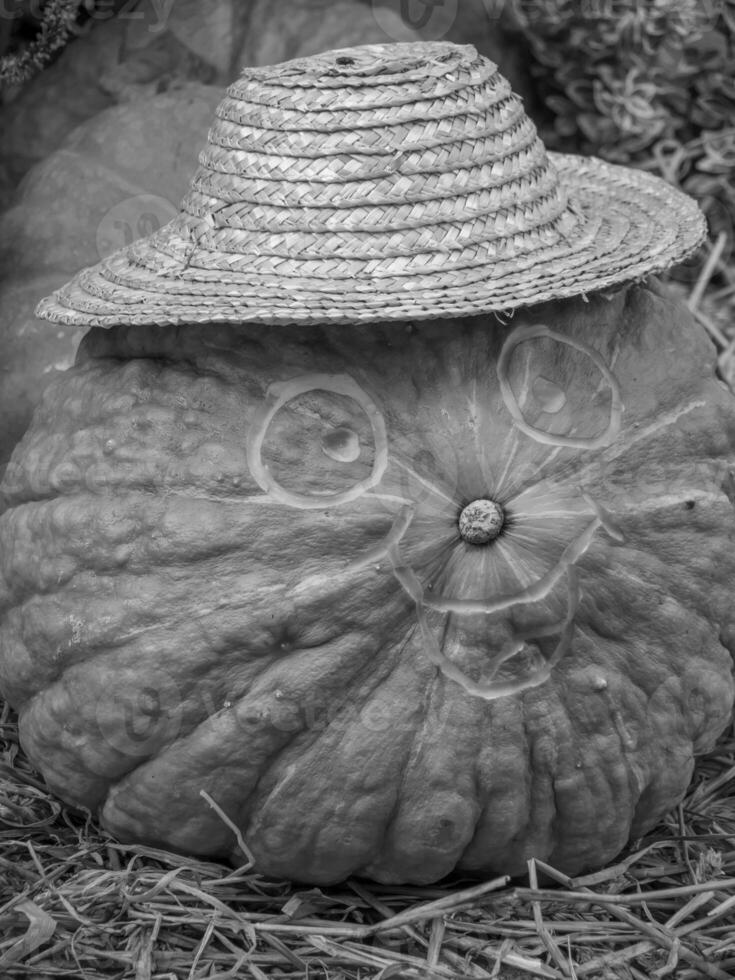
(57, 19)
(650, 84)
(622, 75)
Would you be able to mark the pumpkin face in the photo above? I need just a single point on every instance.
(399, 597)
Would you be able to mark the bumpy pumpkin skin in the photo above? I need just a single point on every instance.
(184, 609)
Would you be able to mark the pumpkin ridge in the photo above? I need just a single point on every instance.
(152, 625)
(622, 792)
(388, 819)
(432, 808)
(573, 810)
(657, 569)
(269, 680)
(287, 745)
(652, 675)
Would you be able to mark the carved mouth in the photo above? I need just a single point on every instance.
(545, 531)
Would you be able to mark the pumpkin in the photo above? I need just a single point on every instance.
(398, 595)
(116, 177)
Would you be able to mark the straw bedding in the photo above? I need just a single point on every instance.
(74, 903)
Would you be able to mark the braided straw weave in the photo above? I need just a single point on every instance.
(397, 181)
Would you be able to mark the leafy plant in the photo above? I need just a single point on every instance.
(648, 83)
(22, 61)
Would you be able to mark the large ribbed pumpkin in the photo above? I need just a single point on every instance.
(398, 597)
(314, 533)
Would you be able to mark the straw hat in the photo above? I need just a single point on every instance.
(383, 182)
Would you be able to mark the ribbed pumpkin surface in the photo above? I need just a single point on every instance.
(231, 562)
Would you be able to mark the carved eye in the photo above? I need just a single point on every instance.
(341, 443)
(550, 397)
(319, 441)
(558, 390)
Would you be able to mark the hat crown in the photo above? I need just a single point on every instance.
(371, 64)
(372, 154)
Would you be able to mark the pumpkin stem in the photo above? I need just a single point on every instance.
(481, 521)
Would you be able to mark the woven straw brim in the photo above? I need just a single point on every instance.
(404, 183)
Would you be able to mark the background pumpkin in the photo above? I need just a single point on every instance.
(117, 177)
(168, 627)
